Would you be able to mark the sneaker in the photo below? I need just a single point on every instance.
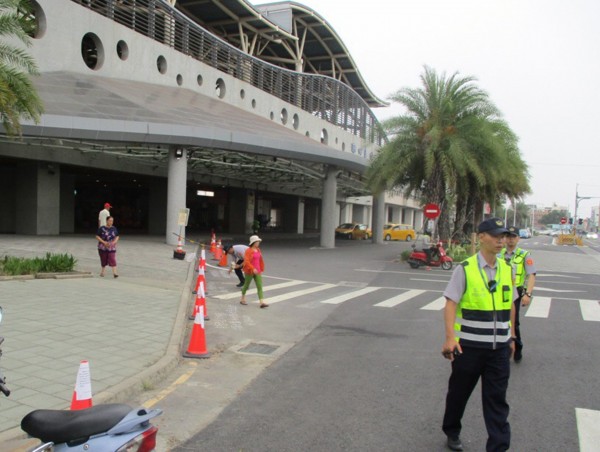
(240, 285)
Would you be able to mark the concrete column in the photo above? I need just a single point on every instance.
(378, 217)
(328, 223)
(157, 200)
(250, 209)
(38, 199)
(67, 203)
(300, 224)
(176, 194)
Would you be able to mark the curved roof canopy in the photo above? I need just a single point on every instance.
(287, 34)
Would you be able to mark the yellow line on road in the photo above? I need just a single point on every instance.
(165, 392)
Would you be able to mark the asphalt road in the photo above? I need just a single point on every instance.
(365, 372)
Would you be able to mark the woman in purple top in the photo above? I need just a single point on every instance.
(107, 237)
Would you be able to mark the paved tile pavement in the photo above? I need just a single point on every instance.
(124, 327)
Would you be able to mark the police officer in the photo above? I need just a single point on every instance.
(479, 322)
(524, 267)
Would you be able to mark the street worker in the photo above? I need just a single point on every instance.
(237, 252)
(104, 214)
(479, 326)
(525, 272)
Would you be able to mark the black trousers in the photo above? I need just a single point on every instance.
(239, 273)
(519, 341)
(493, 366)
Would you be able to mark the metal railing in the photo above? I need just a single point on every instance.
(322, 96)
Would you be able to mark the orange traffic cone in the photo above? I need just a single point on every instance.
(82, 394)
(223, 261)
(213, 245)
(179, 252)
(197, 345)
(218, 251)
(200, 302)
(201, 278)
(202, 259)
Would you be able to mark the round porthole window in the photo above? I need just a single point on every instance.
(199, 80)
(284, 116)
(92, 51)
(161, 64)
(179, 79)
(220, 88)
(122, 50)
(324, 137)
(35, 20)
(296, 121)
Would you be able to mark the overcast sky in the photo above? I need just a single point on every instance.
(539, 60)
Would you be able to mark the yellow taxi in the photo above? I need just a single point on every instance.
(398, 232)
(354, 231)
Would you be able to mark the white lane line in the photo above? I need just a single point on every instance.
(590, 310)
(539, 307)
(587, 429)
(394, 301)
(237, 294)
(298, 293)
(347, 296)
(545, 289)
(435, 305)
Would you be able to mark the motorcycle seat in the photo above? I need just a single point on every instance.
(61, 426)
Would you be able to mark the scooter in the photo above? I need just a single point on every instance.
(435, 256)
(114, 427)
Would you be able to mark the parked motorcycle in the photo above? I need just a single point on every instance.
(434, 256)
(114, 427)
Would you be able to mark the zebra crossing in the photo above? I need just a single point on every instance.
(388, 297)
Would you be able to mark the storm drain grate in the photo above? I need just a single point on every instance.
(261, 349)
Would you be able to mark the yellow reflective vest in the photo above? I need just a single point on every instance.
(518, 262)
(483, 312)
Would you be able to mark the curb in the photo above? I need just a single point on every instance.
(60, 275)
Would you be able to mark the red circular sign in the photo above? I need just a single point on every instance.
(563, 220)
(431, 211)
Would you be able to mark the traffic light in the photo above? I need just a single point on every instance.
(570, 220)
(580, 221)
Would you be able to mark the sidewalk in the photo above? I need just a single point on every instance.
(129, 329)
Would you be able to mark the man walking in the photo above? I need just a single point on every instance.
(524, 269)
(104, 214)
(237, 252)
(479, 320)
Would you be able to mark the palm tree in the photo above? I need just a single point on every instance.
(451, 148)
(18, 97)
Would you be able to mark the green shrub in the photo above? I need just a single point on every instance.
(457, 253)
(52, 263)
(404, 255)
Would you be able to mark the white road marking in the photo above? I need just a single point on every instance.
(237, 293)
(590, 310)
(298, 293)
(557, 290)
(587, 429)
(539, 307)
(436, 305)
(394, 301)
(347, 296)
